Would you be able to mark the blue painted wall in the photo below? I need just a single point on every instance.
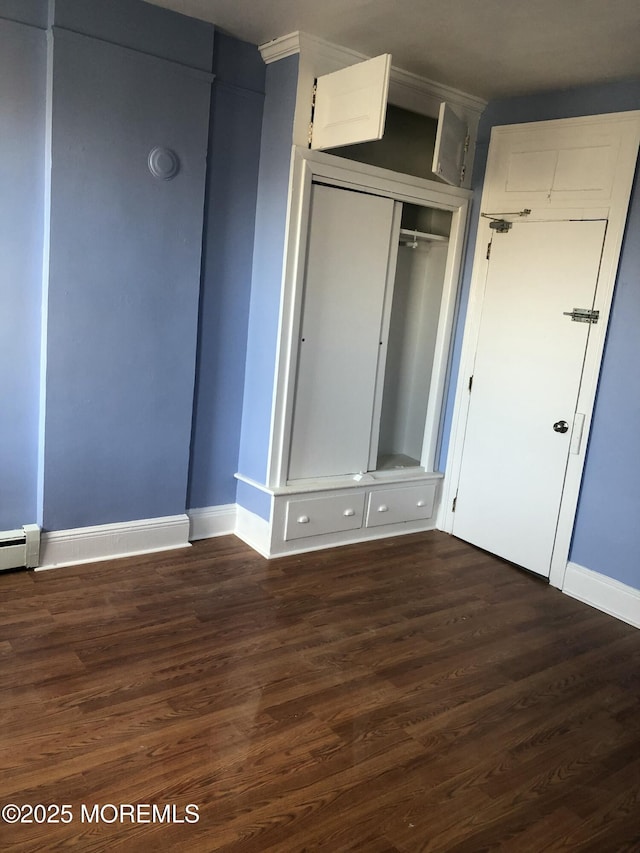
(140, 26)
(32, 12)
(120, 434)
(273, 187)
(123, 281)
(607, 534)
(22, 133)
(234, 149)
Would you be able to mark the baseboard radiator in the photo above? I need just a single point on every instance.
(20, 548)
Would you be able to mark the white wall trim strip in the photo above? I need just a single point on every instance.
(254, 531)
(110, 541)
(612, 597)
(212, 521)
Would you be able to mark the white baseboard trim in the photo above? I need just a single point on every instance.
(110, 541)
(212, 521)
(612, 597)
(253, 530)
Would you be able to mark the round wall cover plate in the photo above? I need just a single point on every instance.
(163, 163)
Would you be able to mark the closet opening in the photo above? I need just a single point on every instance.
(416, 308)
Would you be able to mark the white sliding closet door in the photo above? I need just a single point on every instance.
(345, 280)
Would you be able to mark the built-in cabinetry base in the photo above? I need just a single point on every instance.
(313, 516)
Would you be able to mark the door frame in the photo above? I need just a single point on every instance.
(308, 166)
(614, 209)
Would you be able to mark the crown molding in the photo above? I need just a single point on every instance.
(407, 85)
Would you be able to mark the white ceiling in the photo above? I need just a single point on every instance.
(489, 48)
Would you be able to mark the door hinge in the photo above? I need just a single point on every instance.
(463, 168)
(488, 249)
(453, 505)
(583, 315)
(470, 383)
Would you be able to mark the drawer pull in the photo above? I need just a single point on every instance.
(383, 508)
(421, 503)
(304, 519)
(349, 512)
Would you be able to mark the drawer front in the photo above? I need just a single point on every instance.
(313, 516)
(410, 503)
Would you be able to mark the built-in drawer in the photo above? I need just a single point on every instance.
(409, 503)
(313, 516)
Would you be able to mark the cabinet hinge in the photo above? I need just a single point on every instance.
(453, 505)
(463, 170)
(470, 383)
(313, 109)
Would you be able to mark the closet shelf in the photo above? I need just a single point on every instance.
(411, 235)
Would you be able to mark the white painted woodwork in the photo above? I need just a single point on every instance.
(606, 594)
(337, 514)
(451, 146)
(351, 104)
(563, 164)
(345, 282)
(394, 506)
(527, 374)
(445, 210)
(111, 541)
(620, 133)
(210, 521)
(317, 515)
(318, 57)
(313, 417)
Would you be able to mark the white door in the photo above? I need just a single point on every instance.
(345, 281)
(526, 380)
(351, 104)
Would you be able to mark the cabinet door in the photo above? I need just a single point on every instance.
(351, 104)
(345, 281)
(451, 145)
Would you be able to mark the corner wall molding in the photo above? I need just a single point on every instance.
(612, 597)
(212, 521)
(110, 541)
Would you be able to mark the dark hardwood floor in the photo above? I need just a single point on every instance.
(405, 695)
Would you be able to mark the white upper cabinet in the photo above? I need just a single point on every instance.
(452, 144)
(350, 108)
(352, 93)
(351, 104)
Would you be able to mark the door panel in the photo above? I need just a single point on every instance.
(450, 146)
(526, 377)
(346, 273)
(351, 104)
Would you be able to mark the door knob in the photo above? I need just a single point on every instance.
(561, 426)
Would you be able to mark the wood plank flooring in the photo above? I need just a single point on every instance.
(413, 694)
